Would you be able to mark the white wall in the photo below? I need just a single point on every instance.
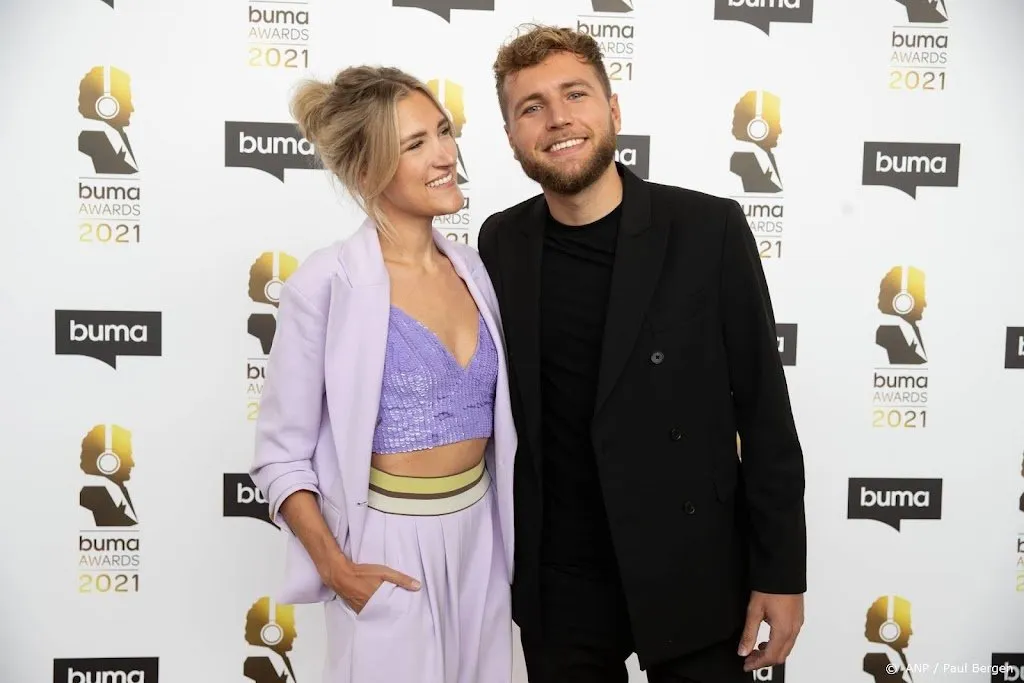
(203, 219)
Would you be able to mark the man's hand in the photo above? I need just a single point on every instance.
(785, 615)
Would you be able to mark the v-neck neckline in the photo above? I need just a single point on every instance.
(440, 343)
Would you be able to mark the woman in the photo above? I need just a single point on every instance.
(385, 440)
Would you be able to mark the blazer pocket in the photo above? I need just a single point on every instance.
(376, 601)
(689, 309)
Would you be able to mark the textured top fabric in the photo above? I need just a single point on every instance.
(427, 399)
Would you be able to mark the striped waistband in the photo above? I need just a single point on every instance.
(427, 496)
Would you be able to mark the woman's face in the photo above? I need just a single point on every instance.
(425, 182)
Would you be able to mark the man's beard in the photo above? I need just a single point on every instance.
(569, 183)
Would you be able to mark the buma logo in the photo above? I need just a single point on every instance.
(268, 147)
(107, 670)
(1007, 666)
(1015, 348)
(106, 335)
(890, 501)
(907, 166)
(762, 14)
(243, 499)
(634, 152)
(618, 6)
(925, 11)
(443, 8)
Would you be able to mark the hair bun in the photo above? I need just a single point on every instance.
(309, 108)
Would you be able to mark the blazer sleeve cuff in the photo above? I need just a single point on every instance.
(279, 490)
(779, 585)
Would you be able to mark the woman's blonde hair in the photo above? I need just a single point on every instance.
(352, 123)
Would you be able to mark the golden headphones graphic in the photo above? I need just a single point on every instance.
(107, 106)
(442, 97)
(272, 632)
(903, 303)
(758, 128)
(889, 631)
(272, 290)
(108, 462)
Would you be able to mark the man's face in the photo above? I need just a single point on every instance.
(561, 125)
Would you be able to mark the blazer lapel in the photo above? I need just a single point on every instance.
(505, 437)
(357, 329)
(520, 261)
(638, 258)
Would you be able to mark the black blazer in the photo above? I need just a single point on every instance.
(690, 358)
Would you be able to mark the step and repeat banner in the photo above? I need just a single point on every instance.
(161, 195)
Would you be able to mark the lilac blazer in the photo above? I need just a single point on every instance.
(319, 405)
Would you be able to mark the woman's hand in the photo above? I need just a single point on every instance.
(356, 583)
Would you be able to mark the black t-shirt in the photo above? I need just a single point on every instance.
(579, 568)
(575, 278)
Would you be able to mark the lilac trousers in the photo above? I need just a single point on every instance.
(457, 628)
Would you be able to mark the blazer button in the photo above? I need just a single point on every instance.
(688, 507)
(657, 357)
(675, 434)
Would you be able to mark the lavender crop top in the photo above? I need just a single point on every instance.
(427, 399)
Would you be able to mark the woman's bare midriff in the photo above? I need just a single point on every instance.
(440, 461)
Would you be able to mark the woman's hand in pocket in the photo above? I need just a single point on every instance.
(356, 583)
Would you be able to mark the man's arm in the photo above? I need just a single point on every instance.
(771, 456)
(772, 459)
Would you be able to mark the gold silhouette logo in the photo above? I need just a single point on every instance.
(270, 628)
(887, 629)
(901, 295)
(267, 276)
(757, 125)
(105, 100)
(1022, 494)
(451, 97)
(106, 459)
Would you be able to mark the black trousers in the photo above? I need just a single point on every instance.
(554, 662)
(586, 639)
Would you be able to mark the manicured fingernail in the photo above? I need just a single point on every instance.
(415, 585)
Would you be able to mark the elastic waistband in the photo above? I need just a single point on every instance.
(427, 496)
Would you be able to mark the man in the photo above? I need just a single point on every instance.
(642, 341)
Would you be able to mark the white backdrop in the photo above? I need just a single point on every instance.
(172, 231)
